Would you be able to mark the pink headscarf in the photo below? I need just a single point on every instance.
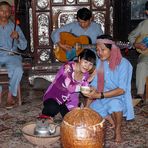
(115, 59)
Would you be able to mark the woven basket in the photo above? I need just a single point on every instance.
(82, 128)
(28, 133)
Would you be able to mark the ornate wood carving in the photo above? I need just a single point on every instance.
(49, 15)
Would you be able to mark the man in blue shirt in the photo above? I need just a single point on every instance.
(11, 38)
(139, 39)
(83, 26)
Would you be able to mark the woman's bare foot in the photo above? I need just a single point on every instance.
(118, 137)
(110, 120)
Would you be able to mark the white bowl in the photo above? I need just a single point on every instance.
(85, 89)
(28, 133)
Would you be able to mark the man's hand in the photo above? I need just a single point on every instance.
(64, 46)
(14, 35)
(94, 94)
(140, 46)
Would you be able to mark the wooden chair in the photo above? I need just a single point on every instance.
(4, 80)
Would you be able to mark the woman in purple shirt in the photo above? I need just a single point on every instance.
(62, 95)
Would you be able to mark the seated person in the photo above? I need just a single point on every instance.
(11, 38)
(83, 26)
(139, 38)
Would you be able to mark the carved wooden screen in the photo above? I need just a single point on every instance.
(47, 15)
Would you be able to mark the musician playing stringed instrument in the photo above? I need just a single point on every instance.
(11, 38)
(85, 31)
(139, 38)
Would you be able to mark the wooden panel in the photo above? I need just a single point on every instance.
(49, 15)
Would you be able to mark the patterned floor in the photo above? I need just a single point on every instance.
(135, 133)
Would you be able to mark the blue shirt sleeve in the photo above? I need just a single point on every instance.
(92, 31)
(125, 71)
(21, 43)
(6, 40)
(55, 35)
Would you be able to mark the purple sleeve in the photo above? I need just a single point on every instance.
(75, 87)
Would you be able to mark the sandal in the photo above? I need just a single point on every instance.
(10, 105)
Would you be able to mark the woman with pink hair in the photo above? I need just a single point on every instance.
(111, 87)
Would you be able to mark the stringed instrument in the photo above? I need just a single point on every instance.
(10, 52)
(144, 40)
(71, 40)
(79, 43)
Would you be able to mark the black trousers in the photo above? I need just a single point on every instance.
(52, 108)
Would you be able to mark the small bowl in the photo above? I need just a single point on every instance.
(85, 89)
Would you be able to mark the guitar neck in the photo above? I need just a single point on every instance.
(88, 46)
(123, 45)
(120, 44)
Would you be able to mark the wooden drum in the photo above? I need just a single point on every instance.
(82, 128)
